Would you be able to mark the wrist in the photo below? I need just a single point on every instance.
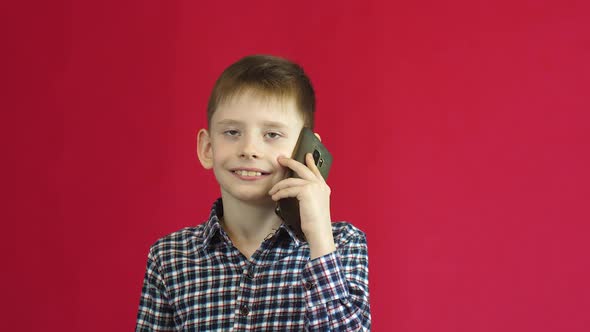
(320, 245)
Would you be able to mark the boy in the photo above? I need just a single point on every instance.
(243, 269)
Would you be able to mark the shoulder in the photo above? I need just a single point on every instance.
(187, 239)
(346, 233)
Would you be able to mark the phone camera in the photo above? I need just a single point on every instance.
(316, 156)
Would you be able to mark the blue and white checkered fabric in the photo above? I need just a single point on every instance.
(196, 280)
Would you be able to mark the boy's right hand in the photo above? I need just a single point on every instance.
(313, 194)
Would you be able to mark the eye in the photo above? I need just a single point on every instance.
(231, 132)
(272, 135)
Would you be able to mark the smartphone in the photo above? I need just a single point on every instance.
(288, 208)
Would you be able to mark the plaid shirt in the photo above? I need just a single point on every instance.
(196, 280)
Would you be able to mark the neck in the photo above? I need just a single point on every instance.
(249, 224)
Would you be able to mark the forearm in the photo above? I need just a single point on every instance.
(337, 296)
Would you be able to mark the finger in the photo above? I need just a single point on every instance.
(287, 192)
(300, 169)
(290, 182)
(312, 166)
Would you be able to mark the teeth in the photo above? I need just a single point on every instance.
(248, 173)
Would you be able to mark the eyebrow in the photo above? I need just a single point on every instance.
(273, 124)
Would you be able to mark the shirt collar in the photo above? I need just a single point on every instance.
(212, 226)
(292, 235)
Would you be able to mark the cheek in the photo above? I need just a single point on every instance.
(221, 151)
(288, 147)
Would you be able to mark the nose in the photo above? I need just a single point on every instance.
(248, 149)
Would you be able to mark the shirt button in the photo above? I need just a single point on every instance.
(249, 274)
(244, 310)
(308, 285)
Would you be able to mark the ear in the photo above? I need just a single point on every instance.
(204, 149)
(318, 136)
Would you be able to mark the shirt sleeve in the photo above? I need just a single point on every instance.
(337, 288)
(155, 312)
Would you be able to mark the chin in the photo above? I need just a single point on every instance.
(251, 197)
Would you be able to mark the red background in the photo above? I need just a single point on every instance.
(460, 131)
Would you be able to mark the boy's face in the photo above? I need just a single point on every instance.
(246, 135)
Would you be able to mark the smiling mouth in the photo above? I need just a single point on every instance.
(249, 173)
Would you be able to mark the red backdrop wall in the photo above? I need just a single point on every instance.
(460, 131)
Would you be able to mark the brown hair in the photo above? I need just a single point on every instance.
(270, 76)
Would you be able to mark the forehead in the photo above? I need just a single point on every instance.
(251, 106)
